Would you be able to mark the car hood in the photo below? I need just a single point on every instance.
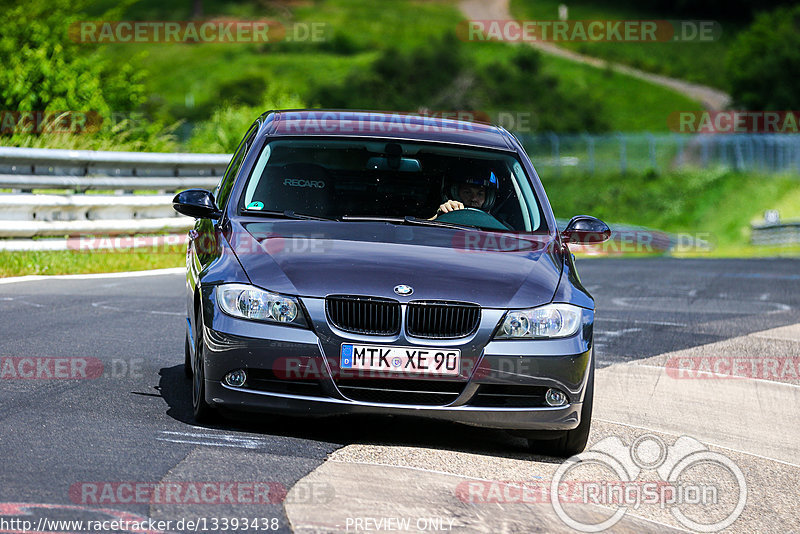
(320, 258)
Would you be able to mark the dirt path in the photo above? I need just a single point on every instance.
(712, 99)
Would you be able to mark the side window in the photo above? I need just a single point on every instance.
(223, 190)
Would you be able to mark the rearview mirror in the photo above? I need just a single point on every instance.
(586, 230)
(392, 163)
(197, 203)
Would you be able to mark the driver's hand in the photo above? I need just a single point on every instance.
(450, 205)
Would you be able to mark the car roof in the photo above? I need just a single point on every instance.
(385, 125)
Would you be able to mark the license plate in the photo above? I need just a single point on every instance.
(412, 360)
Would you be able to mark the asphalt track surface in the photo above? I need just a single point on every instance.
(132, 423)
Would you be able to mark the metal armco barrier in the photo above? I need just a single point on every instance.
(26, 215)
(44, 161)
(787, 233)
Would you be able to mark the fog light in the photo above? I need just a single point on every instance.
(554, 397)
(236, 378)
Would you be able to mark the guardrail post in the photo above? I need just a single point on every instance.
(652, 149)
(623, 156)
(738, 157)
(590, 151)
(554, 151)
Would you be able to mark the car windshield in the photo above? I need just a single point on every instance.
(358, 179)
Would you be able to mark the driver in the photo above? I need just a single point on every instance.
(475, 192)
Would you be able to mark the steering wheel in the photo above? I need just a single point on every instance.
(472, 217)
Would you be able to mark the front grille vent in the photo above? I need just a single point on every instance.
(364, 315)
(442, 319)
(401, 391)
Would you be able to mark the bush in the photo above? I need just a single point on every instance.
(443, 77)
(45, 71)
(223, 132)
(764, 62)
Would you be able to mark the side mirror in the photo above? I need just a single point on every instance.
(585, 230)
(197, 203)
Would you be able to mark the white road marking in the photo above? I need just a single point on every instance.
(104, 306)
(656, 303)
(129, 274)
(617, 333)
(214, 440)
(662, 323)
(18, 299)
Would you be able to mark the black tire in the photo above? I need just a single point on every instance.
(202, 411)
(187, 358)
(573, 441)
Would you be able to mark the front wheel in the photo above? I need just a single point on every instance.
(202, 411)
(571, 442)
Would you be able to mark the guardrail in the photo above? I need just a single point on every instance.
(23, 214)
(786, 233)
(37, 161)
(618, 152)
(27, 182)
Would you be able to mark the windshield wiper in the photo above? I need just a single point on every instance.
(428, 222)
(369, 218)
(408, 219)
(288, 214)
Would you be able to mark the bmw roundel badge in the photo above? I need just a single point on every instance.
(403, 290)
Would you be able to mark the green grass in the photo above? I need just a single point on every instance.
(205, 71)
(720, 204)
(79, 262)
(634, 105)
(701, 62)
(355, 30)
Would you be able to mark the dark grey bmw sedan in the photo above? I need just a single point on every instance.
(375, 263)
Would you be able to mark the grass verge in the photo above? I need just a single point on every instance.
(714, 205)
(81, 262)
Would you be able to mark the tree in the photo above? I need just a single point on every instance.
(44, 67)
(764, 63)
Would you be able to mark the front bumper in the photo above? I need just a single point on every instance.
(298, 373)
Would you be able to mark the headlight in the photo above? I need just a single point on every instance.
(248, 302)
(552, 320)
